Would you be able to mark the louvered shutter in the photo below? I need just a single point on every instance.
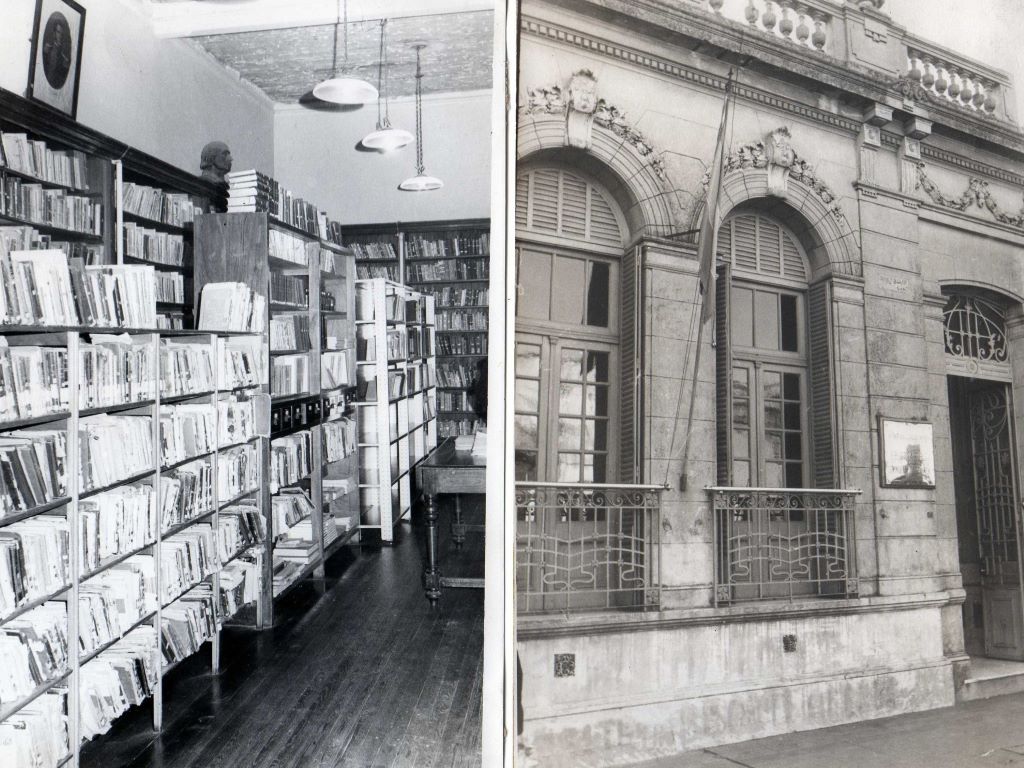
(723, 375)
(630, 363)
(823, 418)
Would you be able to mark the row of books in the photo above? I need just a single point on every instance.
(453, 401)
(33, 158)
(240, 363)
(457, 245)
(239, 527)
(287, 247)
(371, 271)
(237, 472)
(33, 381)
(114, 601)
(232, 307)
(34, 651)
(26, 238)
(151, 245)
(34, 561)
(173, 208)
(187, 623)
(186, 431)
(462, 320)
(113, 447)
(379, 250)
(335, 369)
(187, 493)
(115, 523)
(289, 332)
(289, 291)
(455, 427)
(448, 269)
(452, 374)
(38, 733)
(121, 677)
(240, 581)
(236, 420)
(462, 345)
(396, 343)
(186, 367)
(44, 288)
(290, 459)
(289, 374)
(33, 470)
(186, 558)
(170, 287)
(339, 438)
(47, 207)
(289, 507)
(452, 296)
(419, 341)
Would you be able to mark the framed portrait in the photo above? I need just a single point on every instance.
(56, 64)
(907, 454)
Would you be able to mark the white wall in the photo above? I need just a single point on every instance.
(165, 97)
(315, 156)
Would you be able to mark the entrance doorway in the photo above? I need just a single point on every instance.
(988, 516)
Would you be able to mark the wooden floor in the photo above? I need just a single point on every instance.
(359, 671)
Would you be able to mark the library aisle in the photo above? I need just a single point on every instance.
(366, 673)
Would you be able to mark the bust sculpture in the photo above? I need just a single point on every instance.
(215, 162)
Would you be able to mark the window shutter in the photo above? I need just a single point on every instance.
(723, 375)
(823, 421)
(630, 375)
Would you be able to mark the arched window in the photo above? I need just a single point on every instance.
(569, 246)
(774, 395)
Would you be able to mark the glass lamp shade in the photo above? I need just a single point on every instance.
(387, 139)
(420, 183)
(345, 90)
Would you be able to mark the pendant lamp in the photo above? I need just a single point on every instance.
(343, 90)
(421, 182)
(385, 138)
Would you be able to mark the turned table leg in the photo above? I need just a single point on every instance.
(431, 575)
(458, 529)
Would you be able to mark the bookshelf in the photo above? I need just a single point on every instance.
(397, 398)
(448, 260)
(308, 347)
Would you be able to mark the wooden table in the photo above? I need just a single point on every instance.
(446, 470)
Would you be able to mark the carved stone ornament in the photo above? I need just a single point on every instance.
(777, 156)
(865, 5)
(976, 194)
(583, 110)
(911, 89)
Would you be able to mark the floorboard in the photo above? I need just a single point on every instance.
(359, 671)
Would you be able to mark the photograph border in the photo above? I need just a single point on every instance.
(74, 79)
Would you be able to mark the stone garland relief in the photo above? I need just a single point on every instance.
(976, 194)
(776, 155)
(583, 109)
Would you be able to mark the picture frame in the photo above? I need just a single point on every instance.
(907, 453)
(56, 64)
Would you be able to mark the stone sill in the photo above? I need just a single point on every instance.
(605, 622)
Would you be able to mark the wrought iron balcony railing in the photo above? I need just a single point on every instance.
(783, 543)
(587, 547)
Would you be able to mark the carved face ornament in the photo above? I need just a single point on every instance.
(780, 152)
(583, 92)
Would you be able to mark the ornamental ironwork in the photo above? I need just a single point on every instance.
(975, 329)
(587, 547)
(773, 543)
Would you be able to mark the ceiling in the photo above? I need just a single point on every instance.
(285, 48)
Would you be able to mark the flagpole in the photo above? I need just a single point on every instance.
(707, 267)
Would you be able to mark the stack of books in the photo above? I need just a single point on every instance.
(250, 191)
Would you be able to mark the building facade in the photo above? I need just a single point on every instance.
(825, 527)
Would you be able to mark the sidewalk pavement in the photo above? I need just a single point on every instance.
(976, 734)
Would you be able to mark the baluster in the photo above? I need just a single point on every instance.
(803, 32)
(979, 94)
(928, 79)
(716, 6)
(768, 18)
(818, 39)
(990, 97)
(786, 25)
(954, 83)
(915, 72)
(942, 79)
(967, 92)
(751, 13)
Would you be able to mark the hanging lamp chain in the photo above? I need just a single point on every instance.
(344, 4)
(383, 122)
(334, 49)
(419, 116)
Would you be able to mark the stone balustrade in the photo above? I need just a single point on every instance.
(805, 24)
(951, 82)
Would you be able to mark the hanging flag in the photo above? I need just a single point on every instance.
(711, 221)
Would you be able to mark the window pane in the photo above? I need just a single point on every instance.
(526, 431)
(569, 467)
(570, 399)
(527, 360)
(740, 383)
(597, 294)
(792, 415)
(791, 385)
(773, 445)
(772, 381)
(526, 465)
(567, 283)
(527, 395)
(766, 320)
(595, 435)
(572, 365)
(597, 366)
(772, 415)
(787, 312)
(740, 413)
(597, 400)
(569, 434)
(600, 471)
(794, 475)
(793, 445)
(741, 472)
(534, 279)
(741, 443)
(742, 321)
(773, 475)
